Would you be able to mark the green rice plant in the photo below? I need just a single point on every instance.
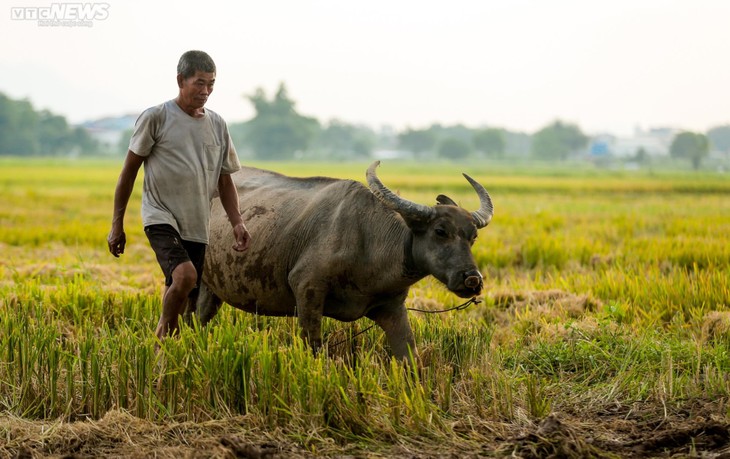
(537, 401)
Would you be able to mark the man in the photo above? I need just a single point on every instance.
(188, 155)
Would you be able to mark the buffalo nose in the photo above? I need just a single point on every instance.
(473, 280)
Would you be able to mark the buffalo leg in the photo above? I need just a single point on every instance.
(310, 306)
(206, 306)
(393, 319)
(310, 321)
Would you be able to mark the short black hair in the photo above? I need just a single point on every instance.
(193, 61)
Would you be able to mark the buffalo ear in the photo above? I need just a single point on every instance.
(417, 224)
(445, 200)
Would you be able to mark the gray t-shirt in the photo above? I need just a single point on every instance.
(184, 157)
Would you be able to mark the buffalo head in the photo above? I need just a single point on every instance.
(442, 235)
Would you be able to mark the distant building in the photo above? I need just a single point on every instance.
(109, 131)
(654, 142)
(392, 154)
(601, 145)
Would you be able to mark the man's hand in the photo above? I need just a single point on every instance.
(229, 199)
(116, 240)
(242, 236)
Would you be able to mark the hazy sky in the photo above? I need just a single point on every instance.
(606, 65)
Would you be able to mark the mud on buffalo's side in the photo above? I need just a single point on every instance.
(330, 247)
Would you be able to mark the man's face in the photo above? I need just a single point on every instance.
(194, 91)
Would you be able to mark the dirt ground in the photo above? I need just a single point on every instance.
(637, 431)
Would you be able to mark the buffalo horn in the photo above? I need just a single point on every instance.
(408, 209)
(483, 216)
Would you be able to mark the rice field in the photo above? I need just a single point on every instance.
(603, 331)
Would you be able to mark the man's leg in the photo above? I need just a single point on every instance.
(182, 263)
(184, 279)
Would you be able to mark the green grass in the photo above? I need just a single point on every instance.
(602, 289)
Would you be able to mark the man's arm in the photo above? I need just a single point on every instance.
(229, 199)
(117, 239)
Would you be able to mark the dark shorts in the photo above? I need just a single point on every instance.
(171, 250)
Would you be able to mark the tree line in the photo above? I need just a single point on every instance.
(25, 131)
(278, 131)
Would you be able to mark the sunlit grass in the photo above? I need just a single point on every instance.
(600, 290)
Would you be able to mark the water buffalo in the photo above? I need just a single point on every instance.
(331, 247)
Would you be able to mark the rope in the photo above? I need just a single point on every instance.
(460, 307)
(464, 305)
